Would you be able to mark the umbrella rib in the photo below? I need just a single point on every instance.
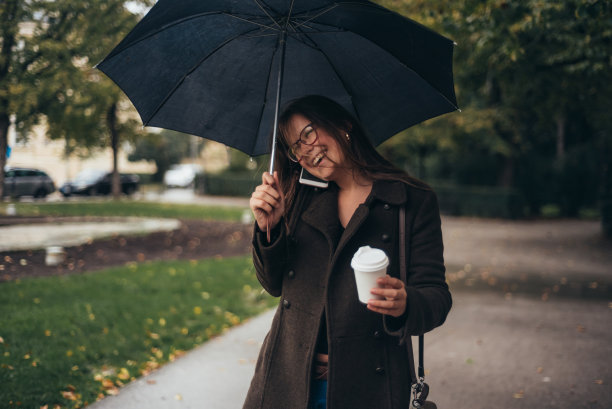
(267, 14)
(248, 21)
(331, 64)
(327, 10)
(180, 21)
(306, 34)
(178, 84)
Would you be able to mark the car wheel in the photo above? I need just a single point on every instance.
(40, 193)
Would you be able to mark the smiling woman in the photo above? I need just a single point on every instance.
(341, 352)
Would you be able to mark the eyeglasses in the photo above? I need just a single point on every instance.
(308, 137)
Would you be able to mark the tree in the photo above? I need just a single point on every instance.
(94, 112)
(47, 71)
(532, 79)
(165, 149)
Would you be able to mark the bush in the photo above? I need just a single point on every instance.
(227, 183)
(480, 201)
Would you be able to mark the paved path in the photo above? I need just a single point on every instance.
(214, 376)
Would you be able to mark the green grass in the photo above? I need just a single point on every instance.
(127, 208)
(66, 341)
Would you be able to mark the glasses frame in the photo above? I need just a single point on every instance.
(292, 151)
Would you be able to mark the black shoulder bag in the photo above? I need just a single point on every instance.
(420, 389)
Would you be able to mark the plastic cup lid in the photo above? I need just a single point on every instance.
(369, 259)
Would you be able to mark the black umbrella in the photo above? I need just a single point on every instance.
(216, 68)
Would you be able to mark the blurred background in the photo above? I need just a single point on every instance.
(532, 77)
(523, 175)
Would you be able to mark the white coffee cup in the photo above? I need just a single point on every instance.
(369, 264)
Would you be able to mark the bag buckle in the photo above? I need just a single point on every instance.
(420, 391)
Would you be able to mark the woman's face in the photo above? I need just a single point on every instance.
(323, 158)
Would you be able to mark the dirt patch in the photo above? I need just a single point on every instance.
(195, 239)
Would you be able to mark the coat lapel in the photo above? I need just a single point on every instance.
(322, 214)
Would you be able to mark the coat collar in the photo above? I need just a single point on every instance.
(322, 211)
(388, 191)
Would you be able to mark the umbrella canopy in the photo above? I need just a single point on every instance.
(214, 68)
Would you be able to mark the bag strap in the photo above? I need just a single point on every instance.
(420, 388)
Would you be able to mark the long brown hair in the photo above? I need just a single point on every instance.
(337, 122)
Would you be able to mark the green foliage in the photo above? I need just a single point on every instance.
(69, 340)
(128, 208)
(533, 79)
(165, 148)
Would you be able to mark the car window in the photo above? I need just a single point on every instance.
(89, 176)
(10, 174)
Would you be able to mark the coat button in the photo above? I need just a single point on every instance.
(385, 238)
(286, 304)
(291, 274)
(380, 370)
(387, 206)
(377, 334)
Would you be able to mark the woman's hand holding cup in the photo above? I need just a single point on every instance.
(267, 202)
(394, 297)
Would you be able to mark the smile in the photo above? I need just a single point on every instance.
(317, 159)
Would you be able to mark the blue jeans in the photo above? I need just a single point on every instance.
(318, 395)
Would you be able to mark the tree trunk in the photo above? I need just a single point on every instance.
(111, 120)
(560, 137)
(4, 127)
(506, 177)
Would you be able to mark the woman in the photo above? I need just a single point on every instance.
(326, 349)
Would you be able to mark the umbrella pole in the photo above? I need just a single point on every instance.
(282, 41)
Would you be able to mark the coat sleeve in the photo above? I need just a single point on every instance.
(429, 299)
(269, 259)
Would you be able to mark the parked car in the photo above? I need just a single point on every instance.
(93, 182)
(27, 182)
(182, 175)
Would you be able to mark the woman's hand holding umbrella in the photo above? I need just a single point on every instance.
(267, 203)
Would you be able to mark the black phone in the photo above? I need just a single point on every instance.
(309, 179)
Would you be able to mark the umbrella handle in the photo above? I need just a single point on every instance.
(282, 42)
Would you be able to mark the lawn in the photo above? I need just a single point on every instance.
(68, 341)
(127, 208)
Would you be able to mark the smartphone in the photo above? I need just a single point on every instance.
(311, 180)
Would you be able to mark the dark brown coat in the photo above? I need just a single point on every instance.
(310, 270)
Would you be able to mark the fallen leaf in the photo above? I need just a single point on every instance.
(178, 397)
(69, 395)
(113, 391)
(151, 381)
(580, 328)
(47, 333)
(540, 369)
(599, 381)
(519, 395)
(107, 383)
(124, 374)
